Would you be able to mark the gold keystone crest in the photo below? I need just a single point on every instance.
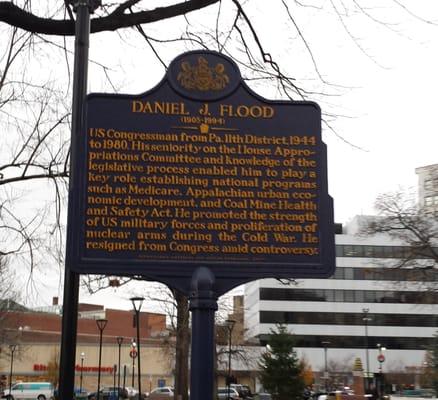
(202, 76)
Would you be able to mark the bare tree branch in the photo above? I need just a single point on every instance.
(401, 219)
(20, 18)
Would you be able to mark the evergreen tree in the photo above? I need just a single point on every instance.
(431, 360)
(280, 368)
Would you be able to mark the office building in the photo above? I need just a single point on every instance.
(428, 187)
(365, 305)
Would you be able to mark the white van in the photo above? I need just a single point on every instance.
(29, 390)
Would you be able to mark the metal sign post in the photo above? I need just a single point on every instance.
(71, 278)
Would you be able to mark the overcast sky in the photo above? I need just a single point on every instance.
(396, 126)
(386, 108)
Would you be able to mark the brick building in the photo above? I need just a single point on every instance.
(38, 336)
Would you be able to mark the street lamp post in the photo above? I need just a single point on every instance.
(114, 382)
(80, 376)
(137, 302)
(12, 348)
(124, 376)
(101, 324)
(325, 344)
(119, 342)
(230, 325)
(133, 354)
(366, 319)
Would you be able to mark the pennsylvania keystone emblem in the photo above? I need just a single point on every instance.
(203, 77)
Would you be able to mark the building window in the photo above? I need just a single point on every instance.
(359, 296)
(349, 296)
(349, 273)
(369, 296)
(356, 296)
(353, 319)
(339, 296)
(349, 251)
(339, 273)
(330, 295)
(386, 274)
(343, 250)
(357, 342)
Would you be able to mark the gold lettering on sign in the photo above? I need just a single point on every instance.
(244, 111)
(158, 107)
(201, 187)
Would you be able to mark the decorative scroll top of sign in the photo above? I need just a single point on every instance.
(202, 76)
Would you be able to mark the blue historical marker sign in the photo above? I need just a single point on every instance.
(201, 171)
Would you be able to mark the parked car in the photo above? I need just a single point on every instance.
(161, 393)
(109, 393)
(340, 394)
(223, 394)
(243, 390)
(319, 396)
(131, 391)
(29, 390)
(80, 392)
(77, 394)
